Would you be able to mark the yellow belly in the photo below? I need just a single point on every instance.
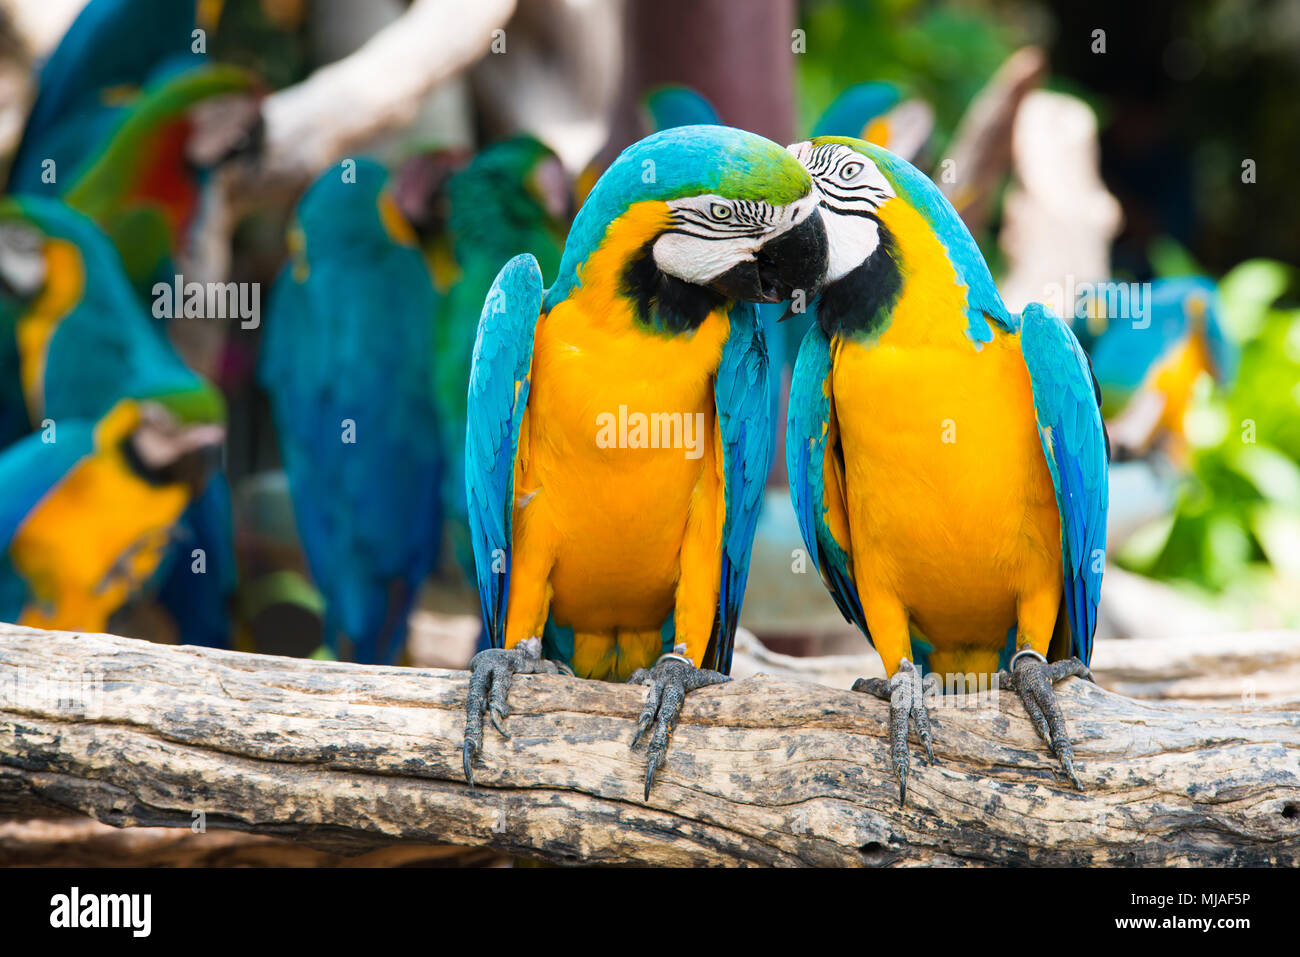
(91, 542)
(950, 501)
(616, 506)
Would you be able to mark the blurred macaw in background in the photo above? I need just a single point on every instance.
(112, 130)
(112, 134)
(345, 360)
(121, 483)
(1149, 350)
(947, 459)
(108, 54)
(472, 217)
(76, 339)
(126, 436)
(599, 548)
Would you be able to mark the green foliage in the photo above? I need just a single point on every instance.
(1237, 520)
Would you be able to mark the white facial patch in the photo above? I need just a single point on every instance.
(22, 261)
(852, 190)
(711, 234)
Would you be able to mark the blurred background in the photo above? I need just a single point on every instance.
(1131, 164)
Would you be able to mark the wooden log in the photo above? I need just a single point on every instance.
(83, 842)
(762, 770)
(1225, 667)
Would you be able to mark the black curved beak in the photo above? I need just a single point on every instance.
(794, 260)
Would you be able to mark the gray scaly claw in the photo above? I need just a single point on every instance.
(1032, 677)
(671, 678)
(906, 707)
(491, 671)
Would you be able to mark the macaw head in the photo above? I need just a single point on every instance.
(142, 186)
(350, 207)
(168, 451)
(44, 247)
(514, 187)
(692, 217)
(161, 444)
(22, 264)
(885, 220)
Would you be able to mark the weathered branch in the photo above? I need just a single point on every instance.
(761, 771)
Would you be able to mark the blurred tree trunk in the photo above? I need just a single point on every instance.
(736, 54)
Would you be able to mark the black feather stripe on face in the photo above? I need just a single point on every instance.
(861, 302)
(663, 302)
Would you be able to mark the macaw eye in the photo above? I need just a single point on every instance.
(720, 212)
(850, 171)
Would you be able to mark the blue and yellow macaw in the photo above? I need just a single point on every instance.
(513, 196)
(1149, 345)
(88, 509)
(75, 345)
(113, 113)
(345, 361)
(600, 547)
(947, 459)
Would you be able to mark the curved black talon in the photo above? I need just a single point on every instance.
(671, 678)
(906, 706)
(1032, 677)
(491, 671)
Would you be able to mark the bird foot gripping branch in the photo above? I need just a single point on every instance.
(491, 671)
(906, 707)
(1031, 676)
(671, 678)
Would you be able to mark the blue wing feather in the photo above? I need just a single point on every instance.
(1074, 442)
(805, 450)
(498, 396)
(745, 421)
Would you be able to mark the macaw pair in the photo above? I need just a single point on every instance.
(629, 560)
(109, 437)
(372, 329)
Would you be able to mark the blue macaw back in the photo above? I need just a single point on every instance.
(345, 360)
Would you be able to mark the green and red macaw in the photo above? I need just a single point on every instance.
(112, 130)
(472, 216)
(947, 459)
(108, 436)
(345, 361)
(599, 548)
(112, 50)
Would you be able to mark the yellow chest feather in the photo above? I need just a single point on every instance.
(92, 541)
(621, 428)
(949, 498)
